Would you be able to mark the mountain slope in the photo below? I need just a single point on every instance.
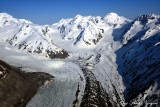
(139, 60)
(29, 37)
(49, 41)
(18, 87)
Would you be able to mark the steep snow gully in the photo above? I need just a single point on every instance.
(94, 61)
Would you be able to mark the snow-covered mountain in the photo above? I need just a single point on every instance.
(139, 60)
(51, 41)
(29, 37)
(107, 61)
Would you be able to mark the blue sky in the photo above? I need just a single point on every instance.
(51, 11)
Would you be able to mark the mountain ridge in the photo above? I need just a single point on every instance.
(86, 33)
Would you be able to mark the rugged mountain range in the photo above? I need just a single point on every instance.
(98, 61)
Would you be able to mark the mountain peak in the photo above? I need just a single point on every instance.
(2, 15)
(147, 16)
(5, 17)
(78, 16)
(115, 19)
(112, 14)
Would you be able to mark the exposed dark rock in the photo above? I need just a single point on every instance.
(61, 55)
(95, 95)
(18, 87)
(79, 37)
(76, 100)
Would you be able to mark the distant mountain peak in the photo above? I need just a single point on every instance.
(112, 14)
(7, 19)
(78, 16)
(114, 18)
(147, 16)
(5, 14)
